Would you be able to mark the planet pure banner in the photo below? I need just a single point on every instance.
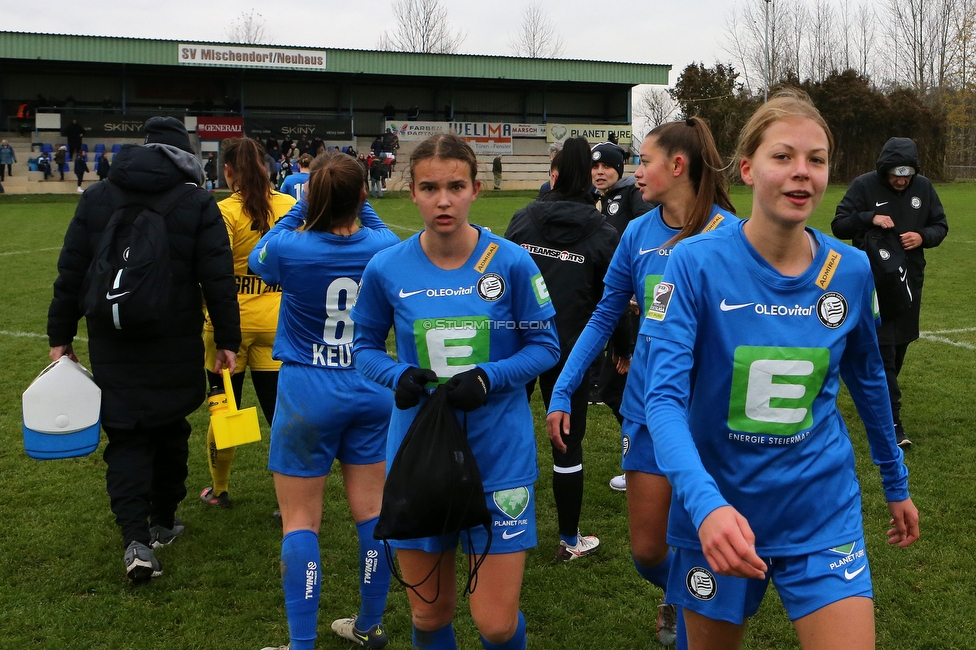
(592, 132)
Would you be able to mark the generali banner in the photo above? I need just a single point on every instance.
(218, 128)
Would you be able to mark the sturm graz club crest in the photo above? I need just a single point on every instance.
(832, 309)
(491, 287)
(701, 583)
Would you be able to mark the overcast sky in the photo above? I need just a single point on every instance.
(657, 31)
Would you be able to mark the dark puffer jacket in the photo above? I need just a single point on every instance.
(917, 208)
(154, 376)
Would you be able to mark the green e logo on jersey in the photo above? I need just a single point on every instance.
(773, 388)
(540, 288)
(649, 283)
(449, 346)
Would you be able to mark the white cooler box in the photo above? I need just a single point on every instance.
(62, 412)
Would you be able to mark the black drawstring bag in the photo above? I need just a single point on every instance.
(434, 486)
(890, 267)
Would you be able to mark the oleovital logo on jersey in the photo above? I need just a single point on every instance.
(832, 309)
(491, 287)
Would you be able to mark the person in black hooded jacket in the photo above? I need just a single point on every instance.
(151, 379)
(895, 196)
(572, 244)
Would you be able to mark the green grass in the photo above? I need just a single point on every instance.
(62, 583)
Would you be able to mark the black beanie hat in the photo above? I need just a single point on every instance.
(167, 130)
(610, 155)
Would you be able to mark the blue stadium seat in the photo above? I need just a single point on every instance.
(116, 148)
(47, 148)
(84, 147)
(99, 149)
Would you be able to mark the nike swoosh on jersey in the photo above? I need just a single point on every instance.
(110, 296)
(641, 251)
(505, 534)
(878, 205)
(727, 307)
(407, 294)
(851, 575)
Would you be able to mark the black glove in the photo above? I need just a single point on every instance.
(468, 390)
(410, 387)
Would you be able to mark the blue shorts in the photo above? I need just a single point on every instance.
(322, 415)
(805, 583)
(638, 448)
(512, 527)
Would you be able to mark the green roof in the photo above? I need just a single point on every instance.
(138, 51)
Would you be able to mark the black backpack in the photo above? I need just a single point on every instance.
(129, 281)
(890, 267)
(434, 486)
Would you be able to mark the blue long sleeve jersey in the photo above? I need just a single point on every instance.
(636, 268)
(319, 274)
(741, 398)
(494, 313)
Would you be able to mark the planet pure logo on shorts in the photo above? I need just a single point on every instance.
(491, 287)
(701, 583)
(851, 554)
(512, 502)
(832, 310)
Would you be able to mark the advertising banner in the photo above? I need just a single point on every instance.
(281, 128)
(218, 128)
(485, 138)
(528, 130)
(250, 56)
(592, 132)
(109, 125)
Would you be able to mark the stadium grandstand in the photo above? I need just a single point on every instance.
(507, 106)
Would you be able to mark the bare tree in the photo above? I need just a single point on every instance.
(655, 106)
(821, 41)
(537, 38)
(757, 40)
(421, 27)
(249, 27)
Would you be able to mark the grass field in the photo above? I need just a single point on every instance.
(62, 583)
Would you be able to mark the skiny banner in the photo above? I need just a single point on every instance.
(109, 125)
(266, 127)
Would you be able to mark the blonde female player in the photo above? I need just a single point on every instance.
(680, 168)
(249, 213)
(470, 309)
(754, 326)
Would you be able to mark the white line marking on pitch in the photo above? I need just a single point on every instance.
(939, 339)
(398, 226)
(39, 250)
(32, 335)
(959, 331)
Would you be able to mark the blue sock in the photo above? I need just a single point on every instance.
(374, 576)
(300, 579)
(442, 639)
(571, 541)
(682, 635)
(656, 575)
(519, 640)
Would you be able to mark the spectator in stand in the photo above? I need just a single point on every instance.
(102, 166)
(75, 132)
(391, 140)
(44, 165)
(496, 171)
(389, 112)
(294, 185)
(271, 166)
(61, 159)
(81, 168)
(554, 149)
(361, 159)
(377, 172)
(317, 146)
(7, 158)
(378, 145)
(210, 169)
(302, 145)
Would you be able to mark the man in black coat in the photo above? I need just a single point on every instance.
(151, 378)
(895, 196)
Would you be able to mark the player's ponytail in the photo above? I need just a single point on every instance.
(693, 138)
(336, 189)
(249, 178)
